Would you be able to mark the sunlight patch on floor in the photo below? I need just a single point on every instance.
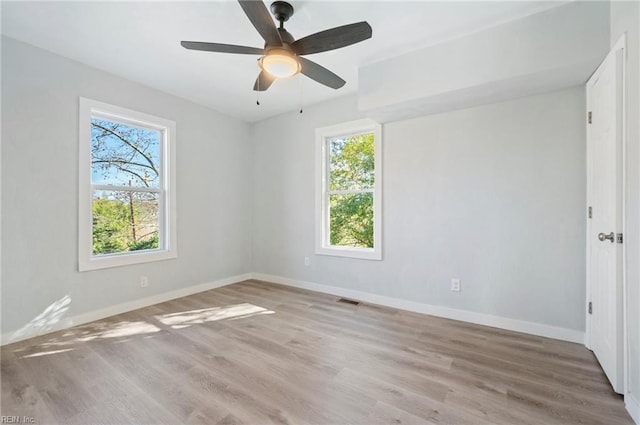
(119, 330)
(124, 330)
(46, 353)
(193, 317)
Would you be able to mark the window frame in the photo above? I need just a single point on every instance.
(167, 232)
(323, 136)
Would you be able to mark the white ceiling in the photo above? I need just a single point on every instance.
(140, 41)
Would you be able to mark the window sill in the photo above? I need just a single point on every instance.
(118, 260)
(359, 253)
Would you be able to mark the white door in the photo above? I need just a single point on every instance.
(604, 227)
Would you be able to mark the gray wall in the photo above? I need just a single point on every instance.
(493, 195)
(625, 18)
(39, 189)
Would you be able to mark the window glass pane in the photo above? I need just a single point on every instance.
(124, 221)
(351, 220)
(351, 162)
(124, 155)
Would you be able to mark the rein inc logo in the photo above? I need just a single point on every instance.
(17, 420)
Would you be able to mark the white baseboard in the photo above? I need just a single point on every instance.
(532, 328)
(30, 331)
(633, 407)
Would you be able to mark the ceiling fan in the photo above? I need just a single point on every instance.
(281, 56)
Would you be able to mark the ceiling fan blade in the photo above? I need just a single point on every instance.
(259, 16)
(263, 82)
(320, 74)
(333, 38)
(222, 48)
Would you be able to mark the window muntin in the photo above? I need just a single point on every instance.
(127, 215)
(348, 190)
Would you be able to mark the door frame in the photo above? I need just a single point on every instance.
(621, 168)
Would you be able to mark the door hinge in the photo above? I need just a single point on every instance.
(590, 212)
(589, 117)
(619, 237)
(590, 307)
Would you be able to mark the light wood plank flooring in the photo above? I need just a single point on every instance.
(260, 353)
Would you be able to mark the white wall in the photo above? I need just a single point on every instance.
(39, 189)
(625, 18)
(493, 195)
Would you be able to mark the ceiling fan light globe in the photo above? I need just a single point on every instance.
(280, 65)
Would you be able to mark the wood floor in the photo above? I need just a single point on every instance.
(260, 353)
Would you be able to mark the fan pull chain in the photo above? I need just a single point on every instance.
(258, 93)
(301, 99)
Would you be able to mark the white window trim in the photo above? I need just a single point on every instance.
(322, 208)
(167, 215)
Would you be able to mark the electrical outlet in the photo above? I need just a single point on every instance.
(144, 281)
(455, 285)
(307, 262)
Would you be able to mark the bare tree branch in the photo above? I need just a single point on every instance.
(128, 143)
(133, 173)
(120, 161)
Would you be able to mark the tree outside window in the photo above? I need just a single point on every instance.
(125, 173)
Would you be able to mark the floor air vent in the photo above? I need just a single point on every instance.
(348, 301)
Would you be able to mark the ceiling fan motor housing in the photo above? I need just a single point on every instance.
(285, 36)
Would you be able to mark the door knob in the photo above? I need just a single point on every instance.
(603, 237)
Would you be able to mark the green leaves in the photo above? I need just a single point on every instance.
(116, 230)
(351, 163)
(351, 220)
(110, 226)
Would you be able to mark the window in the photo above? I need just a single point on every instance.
(348, 190)
(127, 187)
